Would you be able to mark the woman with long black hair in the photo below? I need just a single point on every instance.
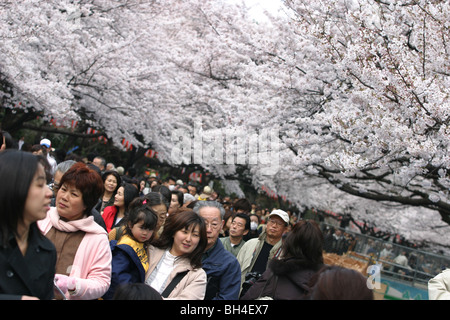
(27, 258)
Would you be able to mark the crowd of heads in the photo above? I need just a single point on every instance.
(169, 214)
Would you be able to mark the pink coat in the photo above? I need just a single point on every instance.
(92, 262)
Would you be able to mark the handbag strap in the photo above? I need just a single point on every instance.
(173, 283)
(273, 277)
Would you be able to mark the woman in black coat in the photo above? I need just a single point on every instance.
(27, 258)
(287, 278)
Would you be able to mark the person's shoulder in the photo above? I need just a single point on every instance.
(226, 257)
(153, 250)
(109, 210)
(197, 272)
(444, 274)
(39, 240)
(250, 243)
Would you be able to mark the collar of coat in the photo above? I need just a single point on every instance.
(290, 265)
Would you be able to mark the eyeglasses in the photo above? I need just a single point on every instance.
(278, 223)
(213, 225)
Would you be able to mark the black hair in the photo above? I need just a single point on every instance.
(138, 210)
(9, 141)
(17, 170)
(244, 216)
(159, 195)
(180, 196)
(242, 204)
(130, 192)
(115, 174)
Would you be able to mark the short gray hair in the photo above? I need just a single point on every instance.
(64, 166)
(209, 203)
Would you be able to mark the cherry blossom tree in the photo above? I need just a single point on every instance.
(377, 77)
(356, 90)
(359, 92)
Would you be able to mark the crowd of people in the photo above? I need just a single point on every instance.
(81, 231)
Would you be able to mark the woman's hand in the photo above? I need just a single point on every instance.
(65, 283)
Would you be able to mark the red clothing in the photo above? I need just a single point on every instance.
(109, 216)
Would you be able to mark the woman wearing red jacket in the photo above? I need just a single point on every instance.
(114, 214)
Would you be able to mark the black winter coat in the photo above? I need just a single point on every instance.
(285, 279)
(30, 275)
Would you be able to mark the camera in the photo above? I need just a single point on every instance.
(250, 279)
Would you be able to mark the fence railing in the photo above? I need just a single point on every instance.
(399, 262)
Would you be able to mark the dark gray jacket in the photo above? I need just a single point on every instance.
(285, 279)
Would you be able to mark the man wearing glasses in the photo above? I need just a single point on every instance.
(256, 253)
(221, 267)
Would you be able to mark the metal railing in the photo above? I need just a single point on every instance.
(419, 267)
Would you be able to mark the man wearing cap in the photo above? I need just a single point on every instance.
(46, 143)
(256, 253)
(206, 194)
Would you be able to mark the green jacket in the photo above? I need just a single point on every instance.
(233, 249)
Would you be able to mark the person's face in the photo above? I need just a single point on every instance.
(185, 241)
(98, 163)
(275, 227)
(161, 212)
(56, 180)
(183, 189)
(69, 202)
(119, 198)
(38, 199)
(237, 228)
(192, 190)
(3, 144)
(110, 183)
(139, 233)
(37, 153)
(214, 224)
(174, 205)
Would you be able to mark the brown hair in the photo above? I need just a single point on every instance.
(339, 283)
(88, 181)
(304, 242)
(182, 220)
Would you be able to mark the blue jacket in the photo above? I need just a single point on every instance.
(223, 272)
(126, 267)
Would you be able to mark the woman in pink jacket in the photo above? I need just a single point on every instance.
(83, 268)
